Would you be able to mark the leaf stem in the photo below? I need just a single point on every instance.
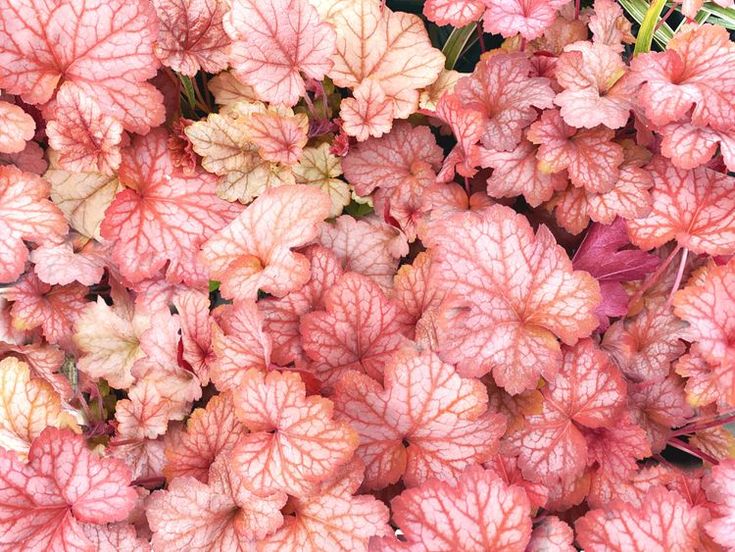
(655, 275)
(694, 451)
(679, 274)
(702, 425)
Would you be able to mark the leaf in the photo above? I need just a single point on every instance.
(293, 442)
(227, 148)
(596, 89)
(588, 392)
(693, 74)
(518, 172)
(644, 347)
(221, 516)
(692, 207)
(103, 47)
(458, 42)
(62, 485)
(61, 264)
(332, 519)
(162, 216)
(457, 13)
(115, 537)
(319, 167)
(373, 43)
(16, 128)
(83, 198)
(479, 513)
(609, 25)
(663, 523)
(707, 305)
(26, 214)
(529, 18)
(280, 137)
(514, 294)
(719, 488)
(53, 309)
(468, 126)
(368, 113)
(505, 90)
(254, 251)
(425, 422)
(27, 407)
(192, 36)
(413, 291)
(358, 330)
(85, 138)
(367, 246)
(657, 406)
(274, 43)
(108, 339)
(210, 432)
(196, 332)
(282, 316)
(239, 343)
(551, 535)
(590, 157)
(144, 414)
(648, 27)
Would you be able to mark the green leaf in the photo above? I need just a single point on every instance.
(638, 9)
(725, 17)
(213, 285)
(358, 210)
(648, 27)
(188, 90)
(458, 42)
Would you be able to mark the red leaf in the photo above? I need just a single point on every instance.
(192, 36)
(293, 444)
(25, 214)
(274, 42)
(358, 330)
(254, 251)
(514, 293)
(163, 216)
(63, 485)
(425, 422)
(104, 47)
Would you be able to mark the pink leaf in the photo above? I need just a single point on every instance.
(663, 523)
(719, 487)
(63, 485)
(530, 18)
(86, 139)
(283, 315)
(274, 43)
(457, 13)
(293, 444)
(514, 292)
(61, 264)
(590, 157)
(210, 431)
(25, 214)
(239, 344)
(192, 36)
(163, 216)
(551, 535)
(505, 91)
(16, 128)
(358, 330)
(104, 47)
(479, 513)
(254, 251)
(425, 422)
(221, 516)
(368, 113)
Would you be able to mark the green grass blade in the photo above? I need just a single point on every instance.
(637, 10)
(459, 41)
(648, 27)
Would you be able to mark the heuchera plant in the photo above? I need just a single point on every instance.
(367, 276)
